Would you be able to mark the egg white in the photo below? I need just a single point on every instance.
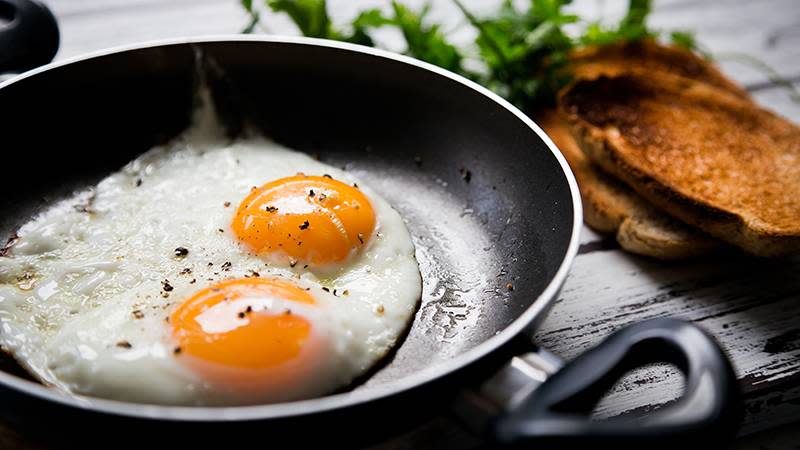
(87, 276)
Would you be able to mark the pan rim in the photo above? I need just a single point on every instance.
(337, 401)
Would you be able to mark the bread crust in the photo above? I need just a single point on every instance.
(705, 155)
(610, 206)
(649, 56)
(662, 237)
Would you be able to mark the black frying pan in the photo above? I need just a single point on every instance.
(490, 202)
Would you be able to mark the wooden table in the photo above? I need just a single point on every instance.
(751, 306)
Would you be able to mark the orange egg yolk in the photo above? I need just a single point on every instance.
(312, 219)
(236, 324)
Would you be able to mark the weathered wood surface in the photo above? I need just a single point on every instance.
(751, 306)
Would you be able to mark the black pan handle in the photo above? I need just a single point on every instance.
(28, 35)
(557, 412)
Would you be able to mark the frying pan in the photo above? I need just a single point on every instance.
(493, 207)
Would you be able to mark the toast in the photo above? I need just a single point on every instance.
(703, 154)
(649, 56)
(610, 206)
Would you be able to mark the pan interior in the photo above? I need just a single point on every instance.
(486, 202)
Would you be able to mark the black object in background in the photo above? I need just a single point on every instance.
(28, 35)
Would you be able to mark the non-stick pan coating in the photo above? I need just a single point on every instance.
(487, 202)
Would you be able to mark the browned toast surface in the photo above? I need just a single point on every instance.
(708, 157)
(610, 206)
(649, 56)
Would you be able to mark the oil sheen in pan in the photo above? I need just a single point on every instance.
(464, 279)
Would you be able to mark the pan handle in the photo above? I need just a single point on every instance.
(28, 35)
(557, 411)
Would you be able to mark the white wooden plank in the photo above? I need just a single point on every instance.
(765, 29)
(65, 8)
(88, 32)
(779, 99)
(742, 301)
(589, 235)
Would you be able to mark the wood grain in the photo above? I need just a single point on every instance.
(750, 305)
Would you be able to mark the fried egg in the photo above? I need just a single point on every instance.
(210, 272)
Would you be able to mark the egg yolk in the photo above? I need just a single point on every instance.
(312, 219)
(243, 324)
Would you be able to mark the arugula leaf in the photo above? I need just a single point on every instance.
(254, 16)
(633, 26)
(525, 51)
(371, 18)
(425, 42)
(684, 39)
(310, 16)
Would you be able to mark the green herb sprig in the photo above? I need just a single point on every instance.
(523, 52)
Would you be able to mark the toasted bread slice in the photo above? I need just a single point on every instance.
(708, 157)
(610, 206)
(649, 56)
